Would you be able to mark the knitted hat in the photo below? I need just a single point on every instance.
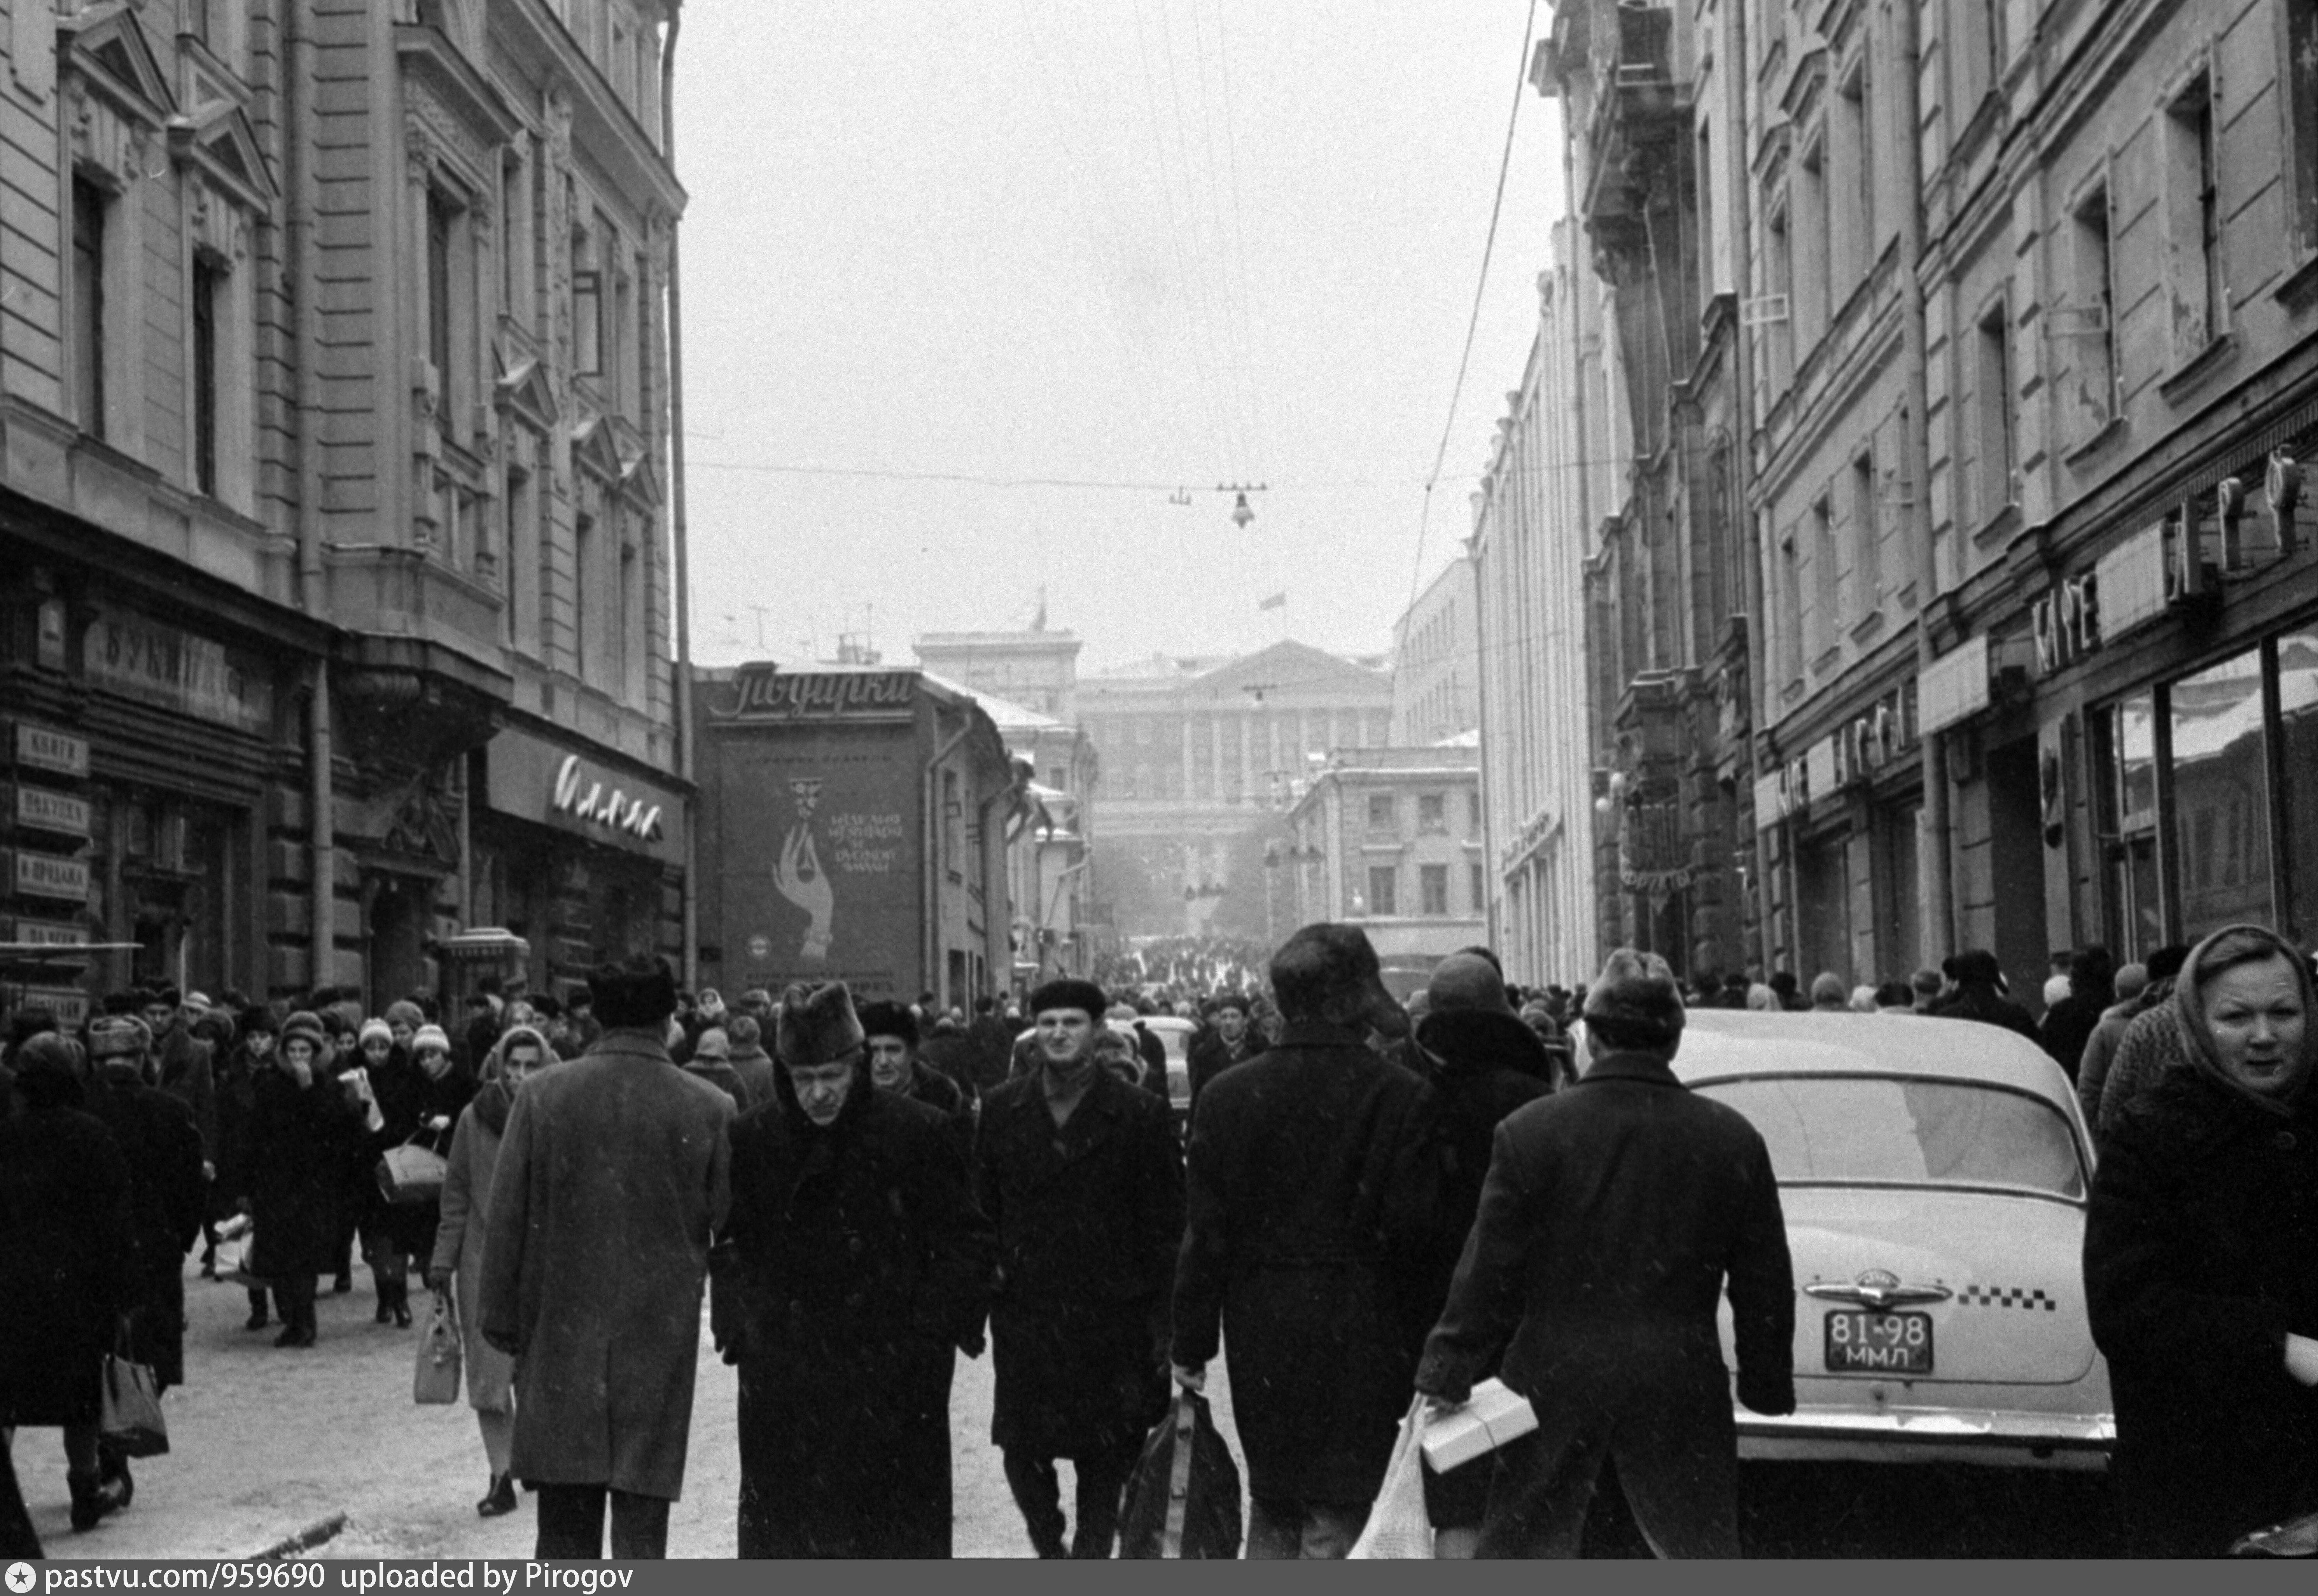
(1635, 1001)
(305, 1023)
(1069, 993)
(118, 1035)
(818, 1025)
(712, 1044)
(373, 1027)
(428, 1037)
(402, 1012)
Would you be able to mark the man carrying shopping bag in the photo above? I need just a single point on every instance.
(1613, 1216)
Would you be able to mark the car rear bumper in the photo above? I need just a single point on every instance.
(1899, 1435)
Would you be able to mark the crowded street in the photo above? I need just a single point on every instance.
(261, 1453)
(1182, 780)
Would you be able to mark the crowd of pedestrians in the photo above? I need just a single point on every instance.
(1376, 1203)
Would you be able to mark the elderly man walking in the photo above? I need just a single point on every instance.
(1613, 1216)
(612, 1174)
(1310, 1198)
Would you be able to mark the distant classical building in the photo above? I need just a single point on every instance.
(1034, 667)
(1390, 840)
(1199, 759)
(1436, 659)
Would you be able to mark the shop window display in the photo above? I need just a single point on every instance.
(2297, 702)
(2125, 742)
(2221, 796)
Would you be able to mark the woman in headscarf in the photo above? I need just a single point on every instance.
(2199, 1256)
(303, 1124)
(456, 1267)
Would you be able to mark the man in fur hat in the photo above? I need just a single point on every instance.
(611, 1179)
(854, 1268)
(1608, 1325)
(1081, 1175)
(1311, 1192)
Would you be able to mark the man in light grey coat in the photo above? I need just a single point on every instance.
(612, 1174)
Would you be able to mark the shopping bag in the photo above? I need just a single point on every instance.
(1182, 1499)
(1397, 1526)
(238, 1256)
(410, 1174)
(437, 1377)
(128, 1417)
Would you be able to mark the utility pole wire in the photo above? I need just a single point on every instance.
(1472, 325)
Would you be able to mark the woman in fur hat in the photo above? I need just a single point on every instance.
(456, 1267)
(2199, 1244)
(420, 1100)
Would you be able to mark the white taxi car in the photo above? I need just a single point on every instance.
(1934, 1175)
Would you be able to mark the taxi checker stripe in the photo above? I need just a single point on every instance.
(2008, 1296)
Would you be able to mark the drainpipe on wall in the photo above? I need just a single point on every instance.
(680, 556)
(1758, 697)
(297, 142)
(1935, 884)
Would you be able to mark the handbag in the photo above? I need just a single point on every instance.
(410, 1174)
(1183, 1498)
(128, 1415)
(1397, 1524)
(436, 1380)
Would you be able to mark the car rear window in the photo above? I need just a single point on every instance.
(1841, 1129)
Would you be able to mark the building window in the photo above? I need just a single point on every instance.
(2221, 796)
(209, 287)
(1866, 538)
(1992, 412)
(441, 219)
(1384, 889)
(2088, 322)
(1827, 589)
(2300, 65)
(90, 208)
(1480, 890)
(1433, 889)
(1790, 613)
(1978, 52)
(1813, 264)
(1855, 202)
(586, 308)
(630, 650)
(1777, 313)
(1432, 814)
(2194, 204)
(583, 537)
(1382, 820)
(2298, 699)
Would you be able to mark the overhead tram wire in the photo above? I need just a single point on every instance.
(1174, 233)
(1234, 319)
(1143, 368)
(1254, 323)
(1473, 323)
(1228, 396)
(1524, 472)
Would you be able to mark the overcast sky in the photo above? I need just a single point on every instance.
(1172, 243)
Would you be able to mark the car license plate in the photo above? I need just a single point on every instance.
(1863, 1342)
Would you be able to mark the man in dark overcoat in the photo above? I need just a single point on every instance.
(1081, 1175)
(853, 1269)
(1223, 1038)
(612, 1178)
(168, 1189)
(1614, 1216)
(890, 1041)
(1310, 1203)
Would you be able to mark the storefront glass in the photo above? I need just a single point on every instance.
(2297, 701)
(2124, 756)
(2221, 796)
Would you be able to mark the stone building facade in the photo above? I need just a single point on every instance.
(333, 540)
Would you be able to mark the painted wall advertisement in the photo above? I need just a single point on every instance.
(819, 858)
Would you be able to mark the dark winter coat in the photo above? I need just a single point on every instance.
(1482, 1066)
(237, 1097)
(951, 1055)
(410, 1100)
(2068, 1024)
(936, 1091)
(1209, 1056)
(1615, 1216)
(754, 1066)
(186, 1068)
(68, 1257)
(2152, 1047)
(2199, 1250)
(1311, 1197)
(1089, 1216)
(993, 1049)
(611, 1177)
(300, 1142)
(853, 1266)
(168, 1193)
(1980, 1001)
